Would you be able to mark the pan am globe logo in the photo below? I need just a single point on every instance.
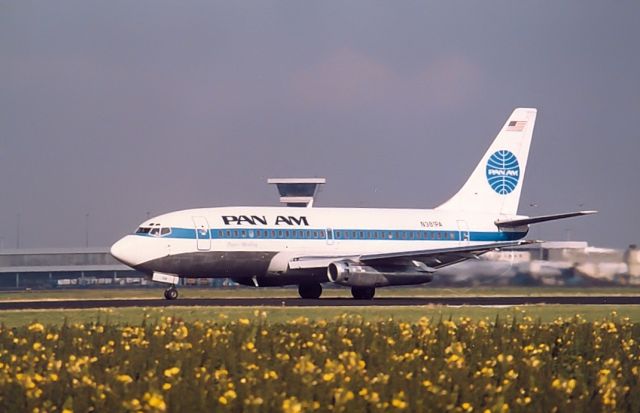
(503, 172)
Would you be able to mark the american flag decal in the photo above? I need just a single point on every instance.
(516, 125)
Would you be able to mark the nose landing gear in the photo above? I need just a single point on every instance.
(171, 293)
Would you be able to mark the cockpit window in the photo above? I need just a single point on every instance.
(155, 231)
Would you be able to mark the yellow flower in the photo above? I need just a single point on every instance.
(166, 386)
(399, 404)
(36, 327)
(156, 401)
(181, 332)
(328, 376)
(171, 372)
(487, 371)
(124, 378)
(291, 405)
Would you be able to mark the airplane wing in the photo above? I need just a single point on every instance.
(431, 259)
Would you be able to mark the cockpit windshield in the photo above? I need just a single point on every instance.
(155, 230)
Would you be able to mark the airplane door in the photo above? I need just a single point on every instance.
(464, 233)
(203, 235)
(329, 236)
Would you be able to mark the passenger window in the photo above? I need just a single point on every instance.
(279, 233)
(243, 233)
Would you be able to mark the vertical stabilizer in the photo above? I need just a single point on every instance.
(496, 183)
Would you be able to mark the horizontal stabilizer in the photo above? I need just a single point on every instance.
(512, 223)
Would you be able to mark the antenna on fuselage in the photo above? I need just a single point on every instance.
(297, 192)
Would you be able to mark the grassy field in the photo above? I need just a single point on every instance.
(79, 294)
(134, 316)
(281, 314)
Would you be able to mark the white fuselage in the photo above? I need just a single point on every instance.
(245, 242)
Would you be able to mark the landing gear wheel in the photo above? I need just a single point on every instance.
(171, 293)
(313, 290)
(363, 293)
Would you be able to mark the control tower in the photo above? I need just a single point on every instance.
(297, 192)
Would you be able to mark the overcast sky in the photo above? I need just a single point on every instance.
(117, 109)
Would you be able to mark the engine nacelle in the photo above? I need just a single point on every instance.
(353, 274)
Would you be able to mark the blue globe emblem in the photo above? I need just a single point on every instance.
(503, 172)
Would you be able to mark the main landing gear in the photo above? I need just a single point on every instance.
(363, 293)
(171, 293)
(311, 290)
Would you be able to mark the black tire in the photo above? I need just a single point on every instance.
(313, 291)
(363, 293)
(171, 293)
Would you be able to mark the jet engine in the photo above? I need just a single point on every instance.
(354, 274)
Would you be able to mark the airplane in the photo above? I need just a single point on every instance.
(361, 248)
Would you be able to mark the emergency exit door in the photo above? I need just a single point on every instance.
(464, 233)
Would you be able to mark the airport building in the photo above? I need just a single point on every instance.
(63, 267)
(73, 267)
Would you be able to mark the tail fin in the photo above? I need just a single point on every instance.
(496, 183)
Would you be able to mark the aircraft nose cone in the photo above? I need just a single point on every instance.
(124, 251)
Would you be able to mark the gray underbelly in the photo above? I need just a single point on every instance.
(212, 264)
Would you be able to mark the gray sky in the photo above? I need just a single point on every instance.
(121, 108)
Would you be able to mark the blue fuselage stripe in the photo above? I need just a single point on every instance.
(340, 234)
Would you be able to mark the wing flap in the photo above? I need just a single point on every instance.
(432, 259)
(305, 263)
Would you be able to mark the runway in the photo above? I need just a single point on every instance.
(322, 302)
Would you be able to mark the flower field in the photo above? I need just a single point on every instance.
(344, 364)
